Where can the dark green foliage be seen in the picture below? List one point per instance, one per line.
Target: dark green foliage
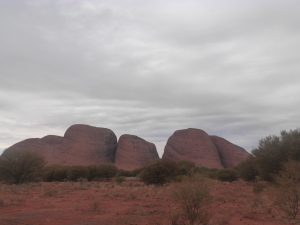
(211, 173)
(227, 175)
(19, 166)
(248, 169)
(288, 188)
(159, 171)
(92, 172)
(186, 167)
(201, 169)
(107, 171)
(136, 172)
(60, 174)
(76, 172)
(55, 173)
(129, 173)
(272, 151)
(120, 179)
(124, 173)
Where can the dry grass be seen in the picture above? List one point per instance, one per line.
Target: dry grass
(132, 203)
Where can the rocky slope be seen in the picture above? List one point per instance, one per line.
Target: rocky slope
(230, 154)
(134, 152)
(197, 146)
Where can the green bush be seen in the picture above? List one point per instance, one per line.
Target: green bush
(248, 169)
(76, 172)
(227, 175)
(159, 171)
(18, 166)
(272, 151)
(92, 172)
(186, 167)
(193, 196)
(107, 171)
(211, 173)
(288, 188)
(55, 173)
(201, 169)
(120, 179)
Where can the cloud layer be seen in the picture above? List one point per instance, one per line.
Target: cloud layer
(149, 68)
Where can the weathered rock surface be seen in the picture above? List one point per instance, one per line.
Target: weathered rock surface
(81, 145)
(210, 151)
(87, 145)
(230, 154)
(194, 145)
(134, 152)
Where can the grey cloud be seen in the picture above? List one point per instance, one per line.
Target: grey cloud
(149, 68)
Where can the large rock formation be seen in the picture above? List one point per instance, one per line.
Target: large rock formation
(197, 146)
(193, 145)
(230, 154)
(134, 152)
(87, 145)
(81, 145)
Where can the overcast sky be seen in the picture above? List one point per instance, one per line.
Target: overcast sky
(148, 68)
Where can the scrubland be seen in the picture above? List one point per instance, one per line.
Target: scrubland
(133, 202)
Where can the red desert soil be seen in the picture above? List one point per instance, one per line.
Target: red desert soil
(107, 203)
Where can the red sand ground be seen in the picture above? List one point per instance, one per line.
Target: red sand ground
(107, 203)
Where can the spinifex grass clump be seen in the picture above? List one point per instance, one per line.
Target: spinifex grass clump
(193, 196)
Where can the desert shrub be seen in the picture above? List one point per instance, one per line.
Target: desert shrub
(136, 172)
(248, 169)
(288, 188)
(107, 171)
(60, 173)
(186, 167)
(18, 166)
(193, 196)
(201, 169)
(120, 179)
(273, 150)
(76, 172)
(258, 188)
(159, 171)
(124, 173)
(211, 173)
(129, 173)
(227, 175)
(47, 174)
(92, 171)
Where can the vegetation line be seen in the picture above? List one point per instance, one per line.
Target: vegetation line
(16, 222)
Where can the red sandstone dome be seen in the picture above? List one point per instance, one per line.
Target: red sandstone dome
(230, 154)
(197, 146)
(81, 145)
(87, 145)
(193, 145)
(134, 152)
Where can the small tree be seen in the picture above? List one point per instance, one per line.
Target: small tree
(92, 172)
(248, 169)
(193, 196)
(107, 171)
(76, 172)
(288, 188)
(159, 171)
(186, 167)
(273, 150)
(18, 166)
(227, 174)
